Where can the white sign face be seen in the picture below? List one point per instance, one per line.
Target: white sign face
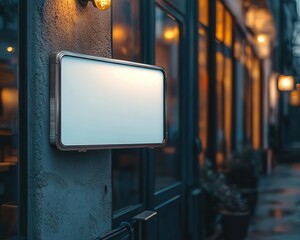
(102, 103)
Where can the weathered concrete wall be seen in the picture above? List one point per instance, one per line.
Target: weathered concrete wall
(69, 193)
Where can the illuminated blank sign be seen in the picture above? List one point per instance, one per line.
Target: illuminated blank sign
(100, 103)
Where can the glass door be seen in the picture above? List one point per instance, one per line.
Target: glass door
(203, 77)
(127, 165)
(167, 159)
(224, 85)
(9, 120)
(169, 183)
(152, 180)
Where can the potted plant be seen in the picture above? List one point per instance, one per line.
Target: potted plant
(243, 171)
(233, 208)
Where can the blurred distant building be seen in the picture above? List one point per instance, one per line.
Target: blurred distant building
(286, 60)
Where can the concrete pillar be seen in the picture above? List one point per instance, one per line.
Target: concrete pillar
(69, 193)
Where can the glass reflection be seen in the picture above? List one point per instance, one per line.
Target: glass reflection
(8, 119)
(295, 98)
(125, 31)
(219, 21)
(221, 142)
(166, 55)
(228, 30)
(248, 94)
(126, 178)
(203, 91)
(256, 106)
(203, 12)
(228, 105)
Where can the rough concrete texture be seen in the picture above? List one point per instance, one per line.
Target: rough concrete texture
(69, 192)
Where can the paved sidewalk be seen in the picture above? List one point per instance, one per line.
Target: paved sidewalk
(277, 215)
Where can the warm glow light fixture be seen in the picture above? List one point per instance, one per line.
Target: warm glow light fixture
(273, 90)
(10, 49)
(100, 4)
(263, 45)
(295, 98)
(171, 34)
(261, 38)
(285, 83)
(119, 33)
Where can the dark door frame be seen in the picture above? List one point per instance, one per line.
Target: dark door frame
(23, 28)
(185, 191)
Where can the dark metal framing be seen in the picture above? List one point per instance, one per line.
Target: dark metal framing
(174, 192)
(198, 148)
(148, 49)
(234, 99)
(197, 144)
(22, 161)
(193, 149)
(176, 187)
(189, 24)
(148, 29)
(177, 193)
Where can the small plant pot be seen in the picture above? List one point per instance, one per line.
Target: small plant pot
(251, 196)
(242, 179)
(235, 225)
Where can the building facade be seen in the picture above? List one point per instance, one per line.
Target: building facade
(217, 55)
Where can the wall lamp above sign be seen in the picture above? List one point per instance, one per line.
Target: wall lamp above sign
(285, 83)
(101, 103)
(100, 4)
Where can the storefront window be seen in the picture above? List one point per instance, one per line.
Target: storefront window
(221, 143)
(248, 94)
(224, 79)
(126, 178)
(167, 55)
(248, 60)
(228, 104)
(126, 29)
(203, 12)
(295, 98)
(9, 119)
(219, 21)
(203, 92)
(256, 104)
(239, 81)
(127, 190)
(228, 30)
